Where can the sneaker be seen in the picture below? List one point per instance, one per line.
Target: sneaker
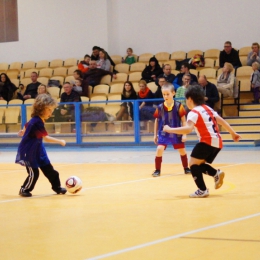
(187, 170)
(60, 190)
(156, 173)
(25, 193)
(219, 179)
(200, 194)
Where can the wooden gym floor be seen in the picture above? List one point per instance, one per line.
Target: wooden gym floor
(124, 213)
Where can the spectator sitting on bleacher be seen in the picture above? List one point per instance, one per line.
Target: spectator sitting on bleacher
(230, 55)
(129, 59)
(66, 112)
(185, 69)
(210, 91)
(180, 93)
(152, 71)
(84, 64)
(31, 90)
(254, 55)
(93, 77)
(103, 62)
(95, 55)
(78, 87)
(42, 89)
(126, 108)
(255, 82)
(7, 88)
(167, 74)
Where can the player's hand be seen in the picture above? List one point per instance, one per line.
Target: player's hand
(184, 138)
(155, 139)
(236, 137)
(62, 142)
(21, 133)
(166, 128)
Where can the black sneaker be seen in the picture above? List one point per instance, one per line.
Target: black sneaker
(187, 170)
(25, 193)
(60, 190)
(156, 173)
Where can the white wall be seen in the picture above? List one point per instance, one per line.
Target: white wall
(171, 25)
(50, 29)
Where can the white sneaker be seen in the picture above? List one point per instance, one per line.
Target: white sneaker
(200, 194)
(218, 178)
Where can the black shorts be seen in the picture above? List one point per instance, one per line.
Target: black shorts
(204, 151)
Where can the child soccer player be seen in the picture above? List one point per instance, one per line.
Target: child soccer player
(205, 120)
(31, 152)
(172, 113)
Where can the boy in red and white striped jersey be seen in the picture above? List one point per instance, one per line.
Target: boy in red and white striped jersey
(205, 121)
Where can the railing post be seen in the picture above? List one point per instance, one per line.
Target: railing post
(78, 123)
(23, 117)
(136, 122)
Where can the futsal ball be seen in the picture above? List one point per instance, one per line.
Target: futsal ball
(73, 184)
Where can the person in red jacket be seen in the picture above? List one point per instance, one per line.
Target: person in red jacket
(84, 64)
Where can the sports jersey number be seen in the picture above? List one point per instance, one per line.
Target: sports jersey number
(213, 125)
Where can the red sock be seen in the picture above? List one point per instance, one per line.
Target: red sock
(184, 160)
(158, 162)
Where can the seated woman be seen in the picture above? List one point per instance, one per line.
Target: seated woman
(42, 89)
(146, 109)
(7, 88)
(152, 71)
(84, 64)
(126, 110)
(226, 83)
(103, 62)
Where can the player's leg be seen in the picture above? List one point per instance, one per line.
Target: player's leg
(184, 159)
(30, 181)
(158, 160)
(53, 177)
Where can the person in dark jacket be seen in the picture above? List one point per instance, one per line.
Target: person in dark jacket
(210, 91)
(152, 71)
(230, 55)
(7, 88)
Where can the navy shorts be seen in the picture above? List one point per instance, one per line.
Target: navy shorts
(205, 152)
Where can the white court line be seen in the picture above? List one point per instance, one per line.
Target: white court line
(172, 237)
(108, 185)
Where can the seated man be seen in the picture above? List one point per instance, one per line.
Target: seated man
(254, 55)
(66, 112)
(31, 90)
(93, 77)
(169, 77)
(210, 90)
(185, 69)
(229, 55)
(158, 92)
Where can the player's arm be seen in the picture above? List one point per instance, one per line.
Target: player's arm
(155, 137)
(183, 123)
(53, 140)
(236, 137)
(21, 132)
(180, 130)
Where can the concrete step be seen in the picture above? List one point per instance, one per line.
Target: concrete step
(243, 120)
(249, 113)
(249, 106)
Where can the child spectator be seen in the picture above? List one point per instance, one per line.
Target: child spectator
(205, 121)
(171, 113)
(78, 86)
(42, 89)
(180, 93)
(103, 62)
(31, 152)
(84, 64)
(129, 59)
(255, 82)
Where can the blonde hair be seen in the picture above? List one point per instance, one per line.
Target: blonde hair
(256, 64)
(42, 101)
(229, 66)
(168, 86)
(42, 85)
(142, 82)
